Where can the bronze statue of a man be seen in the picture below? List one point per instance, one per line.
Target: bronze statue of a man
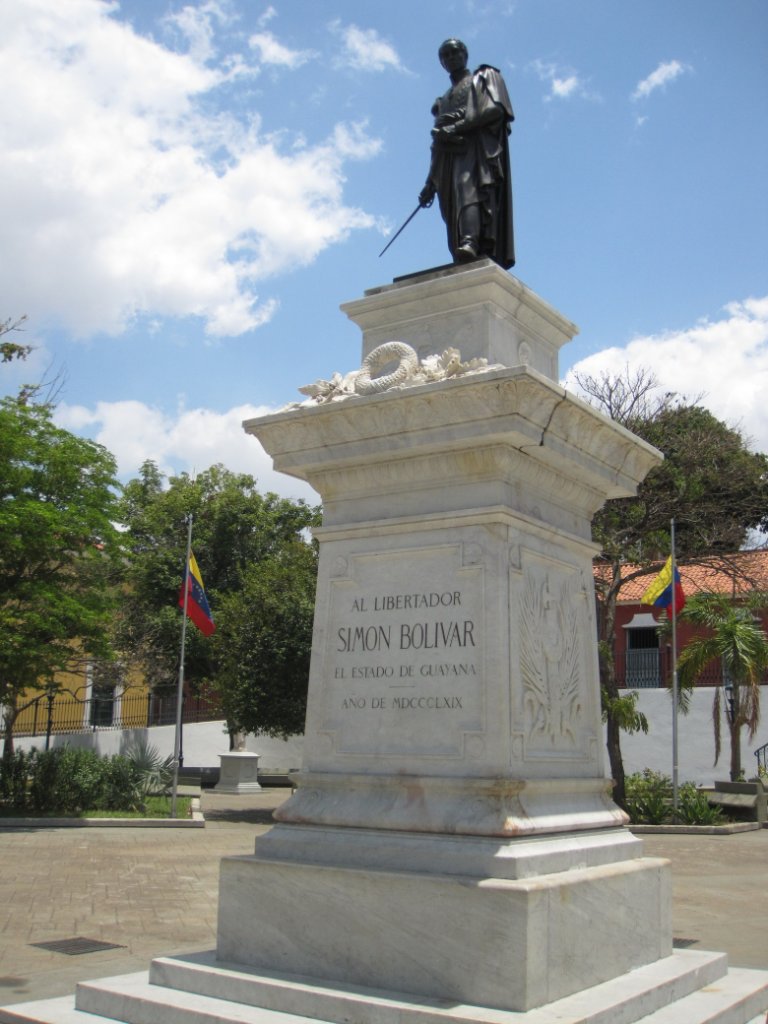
(470, 170)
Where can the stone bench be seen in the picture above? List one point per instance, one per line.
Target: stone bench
(207, 778)
(743, 799)
(277, 776)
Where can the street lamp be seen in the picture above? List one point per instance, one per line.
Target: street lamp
(728, 687)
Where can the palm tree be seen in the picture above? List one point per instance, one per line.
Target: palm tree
(734, 639)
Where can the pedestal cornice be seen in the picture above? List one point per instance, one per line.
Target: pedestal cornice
(504, 437)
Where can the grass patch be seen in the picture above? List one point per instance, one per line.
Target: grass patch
(156, 807)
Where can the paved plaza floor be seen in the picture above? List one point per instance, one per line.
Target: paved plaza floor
(152, 892)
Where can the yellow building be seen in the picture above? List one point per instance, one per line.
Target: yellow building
(103, 695)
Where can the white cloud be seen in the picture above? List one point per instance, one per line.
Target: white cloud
(666, 72)
(563, 83)
(365, 50)
(267, 16)
(271, 51)
(122, 195)
(191, 441)
(564, 87)
(196, 25)
(724, 360)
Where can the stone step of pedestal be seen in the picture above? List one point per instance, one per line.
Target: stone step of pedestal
(45, 1011)
(686, 988)
(131, 999)
(622, 1000)
(738, 995)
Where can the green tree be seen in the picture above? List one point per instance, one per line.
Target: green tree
(237, 530)
(265, 641)
(734, 639)
(59, 552)
(714, 487)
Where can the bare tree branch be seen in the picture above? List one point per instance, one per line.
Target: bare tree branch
(10, 350)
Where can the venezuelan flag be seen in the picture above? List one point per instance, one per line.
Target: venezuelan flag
(659, 593)
(198, 609)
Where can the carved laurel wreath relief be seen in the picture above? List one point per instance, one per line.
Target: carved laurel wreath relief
(551, 661)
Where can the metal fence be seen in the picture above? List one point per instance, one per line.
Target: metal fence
(67, 712)
(646, 668)
(643, 669)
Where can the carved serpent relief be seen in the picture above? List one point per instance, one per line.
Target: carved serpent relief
(409, 372)
(370, 380)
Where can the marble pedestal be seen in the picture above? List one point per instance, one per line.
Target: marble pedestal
(239, 772)
(458, 919)
(452, 833)
(451, 852)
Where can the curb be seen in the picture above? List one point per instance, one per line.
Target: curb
(196, 821)
(698, 830)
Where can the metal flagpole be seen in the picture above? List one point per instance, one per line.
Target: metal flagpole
(180, 694)
(675, 764)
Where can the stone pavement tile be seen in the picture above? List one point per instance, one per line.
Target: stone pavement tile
(155, 892)
(719, 892)
(152, 891)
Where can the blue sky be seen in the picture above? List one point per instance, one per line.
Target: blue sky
(188, 191)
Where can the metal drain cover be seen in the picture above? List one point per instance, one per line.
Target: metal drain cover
(76, 946)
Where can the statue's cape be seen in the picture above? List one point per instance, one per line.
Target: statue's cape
(497, 88)
(490, 88)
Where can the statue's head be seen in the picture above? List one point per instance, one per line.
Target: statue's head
(453, 50)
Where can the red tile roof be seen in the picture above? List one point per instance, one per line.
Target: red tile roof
(740, 573)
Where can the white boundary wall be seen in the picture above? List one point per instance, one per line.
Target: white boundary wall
(695, 738)
(204, 743)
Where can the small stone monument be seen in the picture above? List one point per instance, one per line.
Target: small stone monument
(239, 772)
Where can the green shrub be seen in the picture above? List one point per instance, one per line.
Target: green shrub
(69, 780)
(649, 797)
(122, 786)
(43, 780)
(13, 781)
(693, 808)
(649, 801)
(156, 772)
(66, 780)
